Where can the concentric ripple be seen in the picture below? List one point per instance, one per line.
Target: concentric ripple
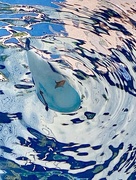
(93, 46)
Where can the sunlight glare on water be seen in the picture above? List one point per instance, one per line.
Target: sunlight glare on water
(82, 56)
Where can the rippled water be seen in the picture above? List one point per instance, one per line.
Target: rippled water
(92, 45)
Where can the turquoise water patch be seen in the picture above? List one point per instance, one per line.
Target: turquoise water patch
(53, 89)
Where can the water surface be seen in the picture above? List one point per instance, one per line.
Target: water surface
(91, 44)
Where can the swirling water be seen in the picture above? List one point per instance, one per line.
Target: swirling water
(94, 45)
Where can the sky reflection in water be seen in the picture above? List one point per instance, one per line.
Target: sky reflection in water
(93, 46)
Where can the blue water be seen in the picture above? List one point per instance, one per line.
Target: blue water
(92, 48)
(29, 2)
